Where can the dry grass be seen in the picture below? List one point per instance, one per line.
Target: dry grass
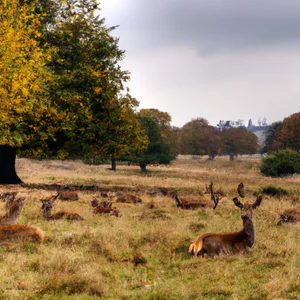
(143, 255)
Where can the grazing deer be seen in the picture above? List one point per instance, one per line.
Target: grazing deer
(128, 198)
(47, 205)
(13, 211)
(291, 215)
(229, 243)
(67, 196)
(216, 196)
(12, 233)
(105, 207)
(192, 202)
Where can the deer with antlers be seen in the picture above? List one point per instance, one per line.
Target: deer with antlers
(216, 196)
(229, 243)
(48, 204)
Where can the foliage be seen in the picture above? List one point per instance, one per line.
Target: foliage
(283, 162)
(157, 151)
(290, 132)
(272, 137)
(273, 191)
(193, 137)
(284, 135)
(27, 115)
(239, 141)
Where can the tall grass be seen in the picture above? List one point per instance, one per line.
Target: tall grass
(143, 255)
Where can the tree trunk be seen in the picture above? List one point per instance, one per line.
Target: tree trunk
(8, 173)
(231, 156)
(113, 164)
(143, 167)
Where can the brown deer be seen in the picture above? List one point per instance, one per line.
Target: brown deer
(291, 215)
(13, 211)
(229, 243)
(67, 196)
(128, 198)
(192, 202)
(105, 207)
(216, 196)
(47, 205)
(13, 233)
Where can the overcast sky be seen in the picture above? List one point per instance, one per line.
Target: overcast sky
(216, 59)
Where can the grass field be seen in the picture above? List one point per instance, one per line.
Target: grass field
(144, 254)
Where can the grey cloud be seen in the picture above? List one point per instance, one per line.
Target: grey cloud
(210, 25)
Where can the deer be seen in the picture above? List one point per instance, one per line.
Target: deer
(13, 211)
(229, 243)
(12, 233)
(216, 196)
(291, 215)
(192, 202)
(67, 196)
(47, 205)
(105, 207)
(128, 198)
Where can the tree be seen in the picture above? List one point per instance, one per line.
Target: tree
(272, 134)
(26, 115)
(193, 136)
(239, 141)
(157, 150)
(70, 88)
(289, 136)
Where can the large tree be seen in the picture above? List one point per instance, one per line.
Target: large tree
(70, 97)
(26, 114)
(239, 141)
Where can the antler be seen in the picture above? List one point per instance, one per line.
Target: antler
(241, 190)
(257, 202)
(238, 203)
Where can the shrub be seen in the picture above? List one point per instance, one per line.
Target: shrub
(273, 191)
(284, 162)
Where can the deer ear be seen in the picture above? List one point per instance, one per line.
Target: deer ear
(257, 202)
(238, 203)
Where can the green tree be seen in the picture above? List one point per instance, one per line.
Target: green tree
(157, 150)
(63, 86)
(272, 134)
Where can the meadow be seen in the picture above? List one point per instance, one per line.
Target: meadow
(144, 254)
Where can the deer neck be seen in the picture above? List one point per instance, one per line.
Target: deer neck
(47, 213)
(249, 231)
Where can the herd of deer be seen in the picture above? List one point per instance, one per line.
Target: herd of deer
(209, 244)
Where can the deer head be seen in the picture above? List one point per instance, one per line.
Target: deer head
(247, 208)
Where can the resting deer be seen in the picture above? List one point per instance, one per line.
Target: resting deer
(128, 198)
(13, 233)
(291, 215)
(47, 206)
(192, 202)
(229, 242)
(216, 196)
(105, 207)
(68, 196)
(13, 211)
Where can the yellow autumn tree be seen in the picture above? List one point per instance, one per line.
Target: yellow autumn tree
(25, 110)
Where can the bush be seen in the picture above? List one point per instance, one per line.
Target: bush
(284, 162)
(273, 191)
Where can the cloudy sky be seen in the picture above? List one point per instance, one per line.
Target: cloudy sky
(216, 59)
